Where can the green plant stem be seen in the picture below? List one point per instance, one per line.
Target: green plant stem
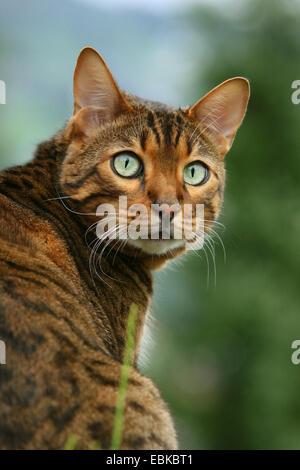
(71, 442)
(125, 370)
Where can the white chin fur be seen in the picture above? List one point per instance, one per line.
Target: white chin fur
(156, 247)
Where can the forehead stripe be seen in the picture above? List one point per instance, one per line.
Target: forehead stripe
(151, 124)
(167, 127)
(179, 129)
(143, 138)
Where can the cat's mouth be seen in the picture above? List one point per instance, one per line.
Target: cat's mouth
(160, 240)
(161, 234)
(156, 246)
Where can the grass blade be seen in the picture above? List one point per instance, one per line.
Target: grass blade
(121, 399)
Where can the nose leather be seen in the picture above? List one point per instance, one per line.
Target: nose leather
(165, 210)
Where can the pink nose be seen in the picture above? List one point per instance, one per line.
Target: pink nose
(166, 209)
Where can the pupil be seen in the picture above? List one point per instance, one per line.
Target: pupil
(193, 172)
(126, 163)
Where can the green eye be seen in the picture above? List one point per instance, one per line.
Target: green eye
(127, 165)
(195, 173)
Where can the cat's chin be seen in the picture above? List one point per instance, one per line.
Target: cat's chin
(156, 247)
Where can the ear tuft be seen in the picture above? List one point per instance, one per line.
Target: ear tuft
(221, 111)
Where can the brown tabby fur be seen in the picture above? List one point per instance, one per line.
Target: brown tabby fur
(65, 329)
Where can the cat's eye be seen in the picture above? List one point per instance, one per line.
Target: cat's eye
(195, 174)
(127, 164)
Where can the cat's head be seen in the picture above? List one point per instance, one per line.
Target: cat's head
(148, 154)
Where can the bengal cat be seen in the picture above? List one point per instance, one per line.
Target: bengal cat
(63, 316)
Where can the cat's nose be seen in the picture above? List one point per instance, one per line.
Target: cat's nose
(166, 209)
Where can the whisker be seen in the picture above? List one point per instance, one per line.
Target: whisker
(222, 244)
(214, 222)
(56, 198)
(112, 231)
(92, 259)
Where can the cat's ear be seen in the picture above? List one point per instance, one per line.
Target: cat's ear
(221, 111)
(96, 89)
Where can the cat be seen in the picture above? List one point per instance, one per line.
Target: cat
(64, 300)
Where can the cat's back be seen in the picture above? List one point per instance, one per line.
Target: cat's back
(59, 380)
(38, 298)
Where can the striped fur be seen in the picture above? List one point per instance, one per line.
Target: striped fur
(64, 328)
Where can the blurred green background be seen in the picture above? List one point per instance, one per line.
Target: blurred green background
(221, 354)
